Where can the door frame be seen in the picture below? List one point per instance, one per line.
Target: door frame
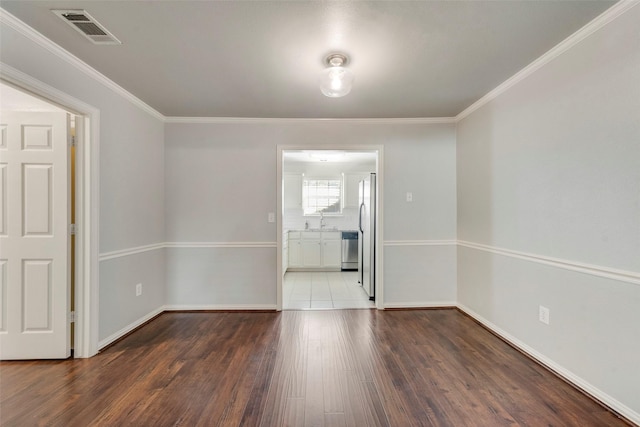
(87, 203)
(379, 269)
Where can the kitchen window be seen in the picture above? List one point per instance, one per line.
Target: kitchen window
(322, 196)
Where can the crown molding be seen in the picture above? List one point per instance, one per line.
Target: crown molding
(268, 120)
(33, 35)
(600, 21)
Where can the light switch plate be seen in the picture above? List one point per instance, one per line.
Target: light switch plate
(409, 197)
(271, 217)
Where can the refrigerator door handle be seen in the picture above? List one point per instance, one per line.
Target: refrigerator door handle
(360, 218)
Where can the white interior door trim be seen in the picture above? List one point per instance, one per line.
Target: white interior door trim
(379, 149)
(87, 203)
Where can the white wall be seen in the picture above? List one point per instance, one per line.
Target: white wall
(221, 183)
(551, 169)
(131, 181)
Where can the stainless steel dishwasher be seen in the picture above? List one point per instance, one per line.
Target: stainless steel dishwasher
(349, 250)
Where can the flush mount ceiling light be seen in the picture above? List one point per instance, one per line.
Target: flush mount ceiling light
(336, 80)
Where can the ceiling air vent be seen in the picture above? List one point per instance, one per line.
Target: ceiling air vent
(86, 25)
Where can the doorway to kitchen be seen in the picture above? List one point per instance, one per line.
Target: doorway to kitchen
(320, 228)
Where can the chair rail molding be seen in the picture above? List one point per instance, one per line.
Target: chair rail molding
(592, 269)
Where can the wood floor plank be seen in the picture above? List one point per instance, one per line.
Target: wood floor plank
(318, 368)
(334, 420)
(294, 412)
(332, 392)
(256, 404)
(314, 392)
(374, 409)
(354, 412)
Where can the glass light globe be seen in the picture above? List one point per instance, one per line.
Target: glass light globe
(336, 81)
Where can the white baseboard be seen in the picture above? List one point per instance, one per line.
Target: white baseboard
(219, 307)
(130, 327)
(572, 378)
(414, 304)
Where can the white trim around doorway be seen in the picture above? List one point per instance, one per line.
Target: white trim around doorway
(87, 199)
(379, 150)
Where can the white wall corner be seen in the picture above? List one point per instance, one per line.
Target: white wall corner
(600, 21)
(38, 38)
(561, 371)
(130, 327)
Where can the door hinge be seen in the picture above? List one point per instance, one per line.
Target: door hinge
(72, 229)
(72, 317)
(72, 142)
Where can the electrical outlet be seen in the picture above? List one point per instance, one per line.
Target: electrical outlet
(409, 197)
(543, 315)
(139, 289)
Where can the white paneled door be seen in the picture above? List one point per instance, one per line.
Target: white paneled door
(34, 235)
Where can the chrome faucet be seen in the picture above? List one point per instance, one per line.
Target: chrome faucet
(322, 224)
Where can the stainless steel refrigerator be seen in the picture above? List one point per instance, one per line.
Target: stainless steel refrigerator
(367, 237)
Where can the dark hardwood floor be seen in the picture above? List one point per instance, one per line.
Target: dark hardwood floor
(298, 368)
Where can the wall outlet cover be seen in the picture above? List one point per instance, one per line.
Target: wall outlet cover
(139, 289)
(543, 315)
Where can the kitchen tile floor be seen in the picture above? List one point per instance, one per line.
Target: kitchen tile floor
(323, 290)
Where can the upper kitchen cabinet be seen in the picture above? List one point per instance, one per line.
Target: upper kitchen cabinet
(351, 181)
(292, 191)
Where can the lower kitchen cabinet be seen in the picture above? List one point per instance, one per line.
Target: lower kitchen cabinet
(331, 251)
(309, 250)
(295, 250)
(311, 253)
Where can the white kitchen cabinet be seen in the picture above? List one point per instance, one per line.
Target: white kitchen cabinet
(295, 249)
(314, 250)
(293, 191)
(311, 253)
(331, 250)
(351, 181)
(311, 249)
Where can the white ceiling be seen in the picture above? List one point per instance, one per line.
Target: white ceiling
(262, 58)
